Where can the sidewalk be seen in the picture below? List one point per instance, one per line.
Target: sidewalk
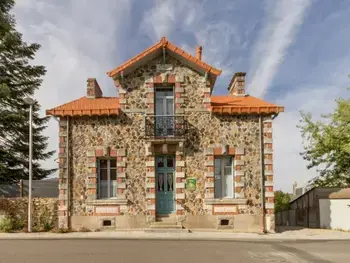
(304, 234)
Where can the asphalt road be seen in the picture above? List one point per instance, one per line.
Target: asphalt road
(86, 251)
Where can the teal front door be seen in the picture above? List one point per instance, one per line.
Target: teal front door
(165, 184)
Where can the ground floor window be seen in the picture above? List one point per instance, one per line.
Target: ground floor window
(223, 172)
(107, 178)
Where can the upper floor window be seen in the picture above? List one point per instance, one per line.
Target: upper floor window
(107, 178)
(164, 109)
(223, 172)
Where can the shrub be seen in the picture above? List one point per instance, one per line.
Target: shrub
(6, 224)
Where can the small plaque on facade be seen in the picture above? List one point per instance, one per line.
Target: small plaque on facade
(106, 210)
(191, 184)
(164, 67)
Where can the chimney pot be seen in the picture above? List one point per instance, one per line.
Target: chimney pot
(199, 52)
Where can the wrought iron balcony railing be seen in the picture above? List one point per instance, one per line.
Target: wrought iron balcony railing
(163, 126)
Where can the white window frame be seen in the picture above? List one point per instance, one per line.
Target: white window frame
(164, 100)
(222, 174)
(109, 181)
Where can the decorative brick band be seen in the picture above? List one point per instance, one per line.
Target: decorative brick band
(151, 187)
(92, 155)
(180, 183)
(63, 212)
(161, 78)
(206, 94)
(239, 163)
(268, 166)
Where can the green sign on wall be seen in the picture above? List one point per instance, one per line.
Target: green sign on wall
(191, 184)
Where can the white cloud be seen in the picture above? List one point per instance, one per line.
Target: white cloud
(274, 40)
(79, 40)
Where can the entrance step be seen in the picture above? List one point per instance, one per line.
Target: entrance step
(166, 218)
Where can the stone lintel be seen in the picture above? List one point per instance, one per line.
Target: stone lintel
(209, 184)
(209, 163)
(268, 183)
(239, 184)
(239, 172)
(121, 175)
(180, 185)
(121, 164)
(209, 151)
(269, 194)
(240, 150)
(180, 90)
(121, 152)
(180, 196)
(209, 174)
(206, 100)
(269, 205)
(150, 174)
(121, 186)
(180, 164)
(150, 164)
(179, 78)
(178, 174)
(239, 162)
(268, 172)
(268, 161)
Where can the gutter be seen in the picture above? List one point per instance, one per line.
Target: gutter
(262, 190)
(68, 173)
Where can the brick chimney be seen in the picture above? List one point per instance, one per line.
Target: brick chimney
(199, 52)
(237, 84)
(93, 90)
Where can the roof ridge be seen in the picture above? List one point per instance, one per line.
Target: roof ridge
(164, 42)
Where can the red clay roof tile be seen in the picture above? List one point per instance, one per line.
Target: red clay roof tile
(242, 105)
(86, 106)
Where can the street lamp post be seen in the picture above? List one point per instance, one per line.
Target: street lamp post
(30, 102)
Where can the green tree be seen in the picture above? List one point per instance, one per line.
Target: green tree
(18, 79)
(327, 145)
(282, 200)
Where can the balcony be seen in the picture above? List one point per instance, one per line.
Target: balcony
(165, 127)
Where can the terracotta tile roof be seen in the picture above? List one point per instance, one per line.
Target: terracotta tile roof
(168, 45)
(244, 104)
(86, 106)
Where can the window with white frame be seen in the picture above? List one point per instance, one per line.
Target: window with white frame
(223, 172)
(107, 178)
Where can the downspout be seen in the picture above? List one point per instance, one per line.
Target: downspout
(262, 193)
(68, 173)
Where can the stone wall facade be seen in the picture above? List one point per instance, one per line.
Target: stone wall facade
(123, 137)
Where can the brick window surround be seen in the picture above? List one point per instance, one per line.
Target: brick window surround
(238, 154)
(104, 152)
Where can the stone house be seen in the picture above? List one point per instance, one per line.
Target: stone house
(165, 149)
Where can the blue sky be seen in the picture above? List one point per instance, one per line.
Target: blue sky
(295, 52)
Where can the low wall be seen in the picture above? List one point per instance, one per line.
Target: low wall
(43, 209)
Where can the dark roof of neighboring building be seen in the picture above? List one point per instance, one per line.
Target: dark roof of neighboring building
(332, 190)
(40, 188)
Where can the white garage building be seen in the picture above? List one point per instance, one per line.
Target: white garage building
(335, 210)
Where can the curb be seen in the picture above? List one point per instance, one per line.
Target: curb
(171, 237)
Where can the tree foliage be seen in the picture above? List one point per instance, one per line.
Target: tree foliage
(18, 79)
(282, 200)
(327, 145)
